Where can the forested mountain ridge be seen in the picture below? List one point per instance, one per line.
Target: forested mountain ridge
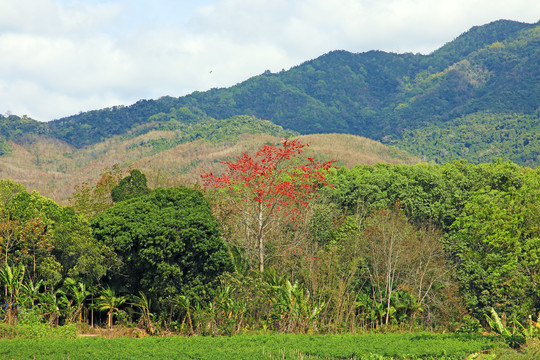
(477, 38)
(409, 100)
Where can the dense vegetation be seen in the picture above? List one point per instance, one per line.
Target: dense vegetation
(16, 128)
(451, 247)
(489, 216)
(479, 137)
(488, 74)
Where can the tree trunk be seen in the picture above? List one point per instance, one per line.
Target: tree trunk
(8, 312)
(109, 320)
(92, 314)
(260, 238)
(77, 315)
(261, 253)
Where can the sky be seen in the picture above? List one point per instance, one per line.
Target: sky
(61, 57)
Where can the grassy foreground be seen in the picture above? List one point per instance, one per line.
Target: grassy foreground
(275, 346)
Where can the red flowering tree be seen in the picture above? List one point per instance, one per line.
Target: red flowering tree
(276, 180)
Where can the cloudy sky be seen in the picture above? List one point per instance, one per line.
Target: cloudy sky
(59, 57)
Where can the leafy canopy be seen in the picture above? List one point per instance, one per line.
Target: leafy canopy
(168, 241)
(133, 185)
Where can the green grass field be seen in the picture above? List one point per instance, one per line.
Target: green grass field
(276, 346)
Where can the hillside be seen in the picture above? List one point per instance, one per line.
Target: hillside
(416, 102)
(170, 155)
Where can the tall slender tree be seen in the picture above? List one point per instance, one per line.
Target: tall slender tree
(109, 301)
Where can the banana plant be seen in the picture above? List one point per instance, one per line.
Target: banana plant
(496, 324)
(12, 278)
(143, 303)
(514, 336)
(204, 316)
(78, 294)
(30, 292)
(294, 308)
(534, 328)
(231, 310)
(52, 304)
(185, 305)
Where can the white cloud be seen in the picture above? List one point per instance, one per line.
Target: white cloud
(307, 26)
(49, 17)
(62, 56)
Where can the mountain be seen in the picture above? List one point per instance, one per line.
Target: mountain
(487, 79)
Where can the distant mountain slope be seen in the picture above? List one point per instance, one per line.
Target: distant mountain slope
(491, 70)
(54, 168)
(479, 137)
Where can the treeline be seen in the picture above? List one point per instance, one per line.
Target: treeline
(379, 247)
(17, 128)
(211, 130)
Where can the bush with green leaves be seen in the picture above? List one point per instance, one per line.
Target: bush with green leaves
(37, 331)
(496, 242)
(469, 325)
(169, 244)
(133, 185)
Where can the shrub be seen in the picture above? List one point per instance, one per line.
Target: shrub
(469, 325)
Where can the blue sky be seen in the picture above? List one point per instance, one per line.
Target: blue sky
(60, 57)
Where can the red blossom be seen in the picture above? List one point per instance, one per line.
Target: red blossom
(273, 180)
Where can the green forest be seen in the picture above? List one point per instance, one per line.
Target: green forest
(280, 243)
